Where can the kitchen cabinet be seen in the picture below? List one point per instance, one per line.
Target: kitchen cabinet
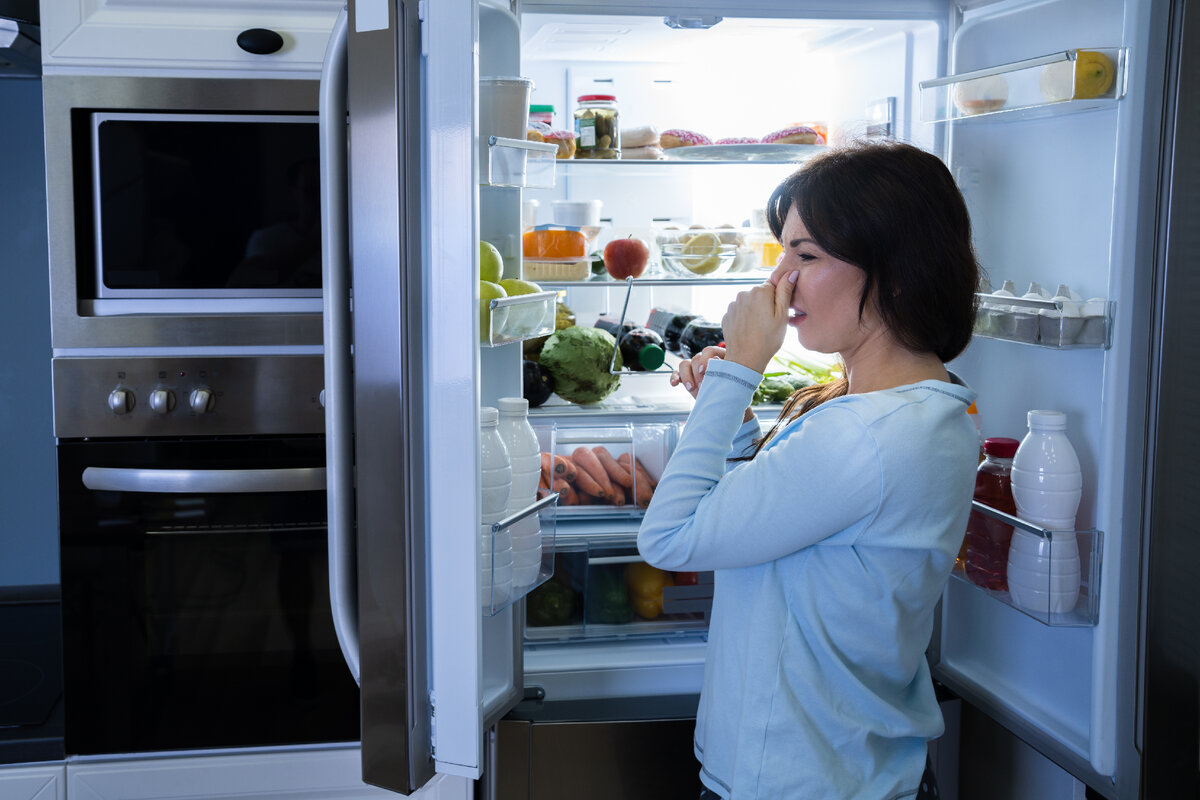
(34, 782)
(300, 774)
(183, 35)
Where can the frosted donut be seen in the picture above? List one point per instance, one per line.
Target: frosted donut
(798, 134)
(739, 140)
(677, 137)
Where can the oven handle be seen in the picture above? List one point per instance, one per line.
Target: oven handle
(204, 481)
(339, 387)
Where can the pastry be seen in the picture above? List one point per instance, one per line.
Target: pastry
(797, 134)
(565, 141)
(677, 137)
(981, 95)
(650, 152)
(642, 136)
(739, 140)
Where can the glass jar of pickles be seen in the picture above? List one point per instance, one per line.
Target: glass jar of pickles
(597, 128)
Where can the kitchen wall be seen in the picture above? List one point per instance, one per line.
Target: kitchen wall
(28, 505)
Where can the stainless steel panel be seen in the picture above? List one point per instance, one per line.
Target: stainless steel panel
(388, 330)
(1170, 623)
(67, 98)
(250, 395)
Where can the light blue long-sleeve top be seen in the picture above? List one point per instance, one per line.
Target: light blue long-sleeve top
(830, 550)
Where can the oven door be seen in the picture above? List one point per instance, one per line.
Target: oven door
(195, 597)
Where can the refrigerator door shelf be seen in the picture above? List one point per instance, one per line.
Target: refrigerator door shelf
(1038, 550)
(519, 317)
(501, 569)
(1046, 323)
(517, 163)
(1071, 80)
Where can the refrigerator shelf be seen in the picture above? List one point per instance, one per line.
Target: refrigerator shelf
(1049, 566)
(521, 164)
(537, 520)
(605, 282)
(521, 317)
(1044, 323)
(1058, 83)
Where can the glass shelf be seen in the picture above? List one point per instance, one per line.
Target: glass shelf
(500, 583)
(1058, 83)
(605, 282)
(520, 317)
(1061, 571)
(518, 163)
(1042, 323)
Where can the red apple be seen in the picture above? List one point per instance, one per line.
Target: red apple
(624, 258)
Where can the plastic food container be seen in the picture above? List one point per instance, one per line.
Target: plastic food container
(556, 269)
(542, 113)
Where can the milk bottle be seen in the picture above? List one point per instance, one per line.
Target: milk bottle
(496, 556)
(524, 454)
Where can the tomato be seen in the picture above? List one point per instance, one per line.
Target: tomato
(687, 578)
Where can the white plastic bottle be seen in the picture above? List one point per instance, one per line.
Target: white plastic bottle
(1046, 484)
(495, 564)
(525, 455)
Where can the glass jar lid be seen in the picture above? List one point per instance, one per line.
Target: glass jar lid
(588, 98)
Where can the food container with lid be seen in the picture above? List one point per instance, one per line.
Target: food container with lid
(503, 112)
(542, 113)
(597, 127)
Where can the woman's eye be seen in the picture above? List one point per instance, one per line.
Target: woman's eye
(805, 256)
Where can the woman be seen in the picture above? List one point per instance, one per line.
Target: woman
(832, 537)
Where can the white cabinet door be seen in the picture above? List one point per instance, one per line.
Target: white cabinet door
(39, 782)
(184, 34)
(330, 774)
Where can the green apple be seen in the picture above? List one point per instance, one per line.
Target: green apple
(491, 265)
(524, 319)
(490, 323)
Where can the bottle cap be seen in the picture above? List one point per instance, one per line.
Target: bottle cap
(488, 415)
(513, 405)
(1000, 446)
(587, 98)
(651, 357)
(541, 109)
(1047, 420)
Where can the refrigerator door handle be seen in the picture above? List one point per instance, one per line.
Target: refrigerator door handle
(335, 280)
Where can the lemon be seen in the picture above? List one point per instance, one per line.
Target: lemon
(701, 253)
(1091, 75)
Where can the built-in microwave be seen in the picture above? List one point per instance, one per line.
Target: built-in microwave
(183, 211)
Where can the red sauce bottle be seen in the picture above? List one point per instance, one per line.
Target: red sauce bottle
(987, 539)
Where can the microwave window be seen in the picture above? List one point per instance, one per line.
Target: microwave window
(208, 205)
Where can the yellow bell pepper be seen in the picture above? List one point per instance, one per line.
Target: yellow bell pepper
(645, 584)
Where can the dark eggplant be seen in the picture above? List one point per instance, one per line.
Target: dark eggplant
(538, 385)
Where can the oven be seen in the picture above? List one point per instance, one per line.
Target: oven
(184, 211)
(195, 599)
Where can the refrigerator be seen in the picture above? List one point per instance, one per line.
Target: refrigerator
(1083, 192)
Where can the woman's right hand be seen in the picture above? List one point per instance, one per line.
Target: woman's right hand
(690, 372)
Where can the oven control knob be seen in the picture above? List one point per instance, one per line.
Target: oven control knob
(162, 401)
(120, 401)
(201, 400)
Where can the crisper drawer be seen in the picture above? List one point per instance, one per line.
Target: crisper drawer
(604, 470)
(603, 590)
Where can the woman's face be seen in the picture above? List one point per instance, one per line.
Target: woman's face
(824, 309)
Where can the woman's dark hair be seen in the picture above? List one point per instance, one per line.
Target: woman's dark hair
(894, 211)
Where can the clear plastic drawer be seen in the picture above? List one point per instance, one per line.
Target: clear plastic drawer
(605, 471)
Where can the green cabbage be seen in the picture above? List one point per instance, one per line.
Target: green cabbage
(578, 359)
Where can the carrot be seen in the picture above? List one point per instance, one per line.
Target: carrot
(586, 499)
(616, 472)
(569, 497)
(547, 467)
(542, 491)
(617, 498)
(584, 482)
(643, 482)
(586, 461)
(559, 485)
(564, 468)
